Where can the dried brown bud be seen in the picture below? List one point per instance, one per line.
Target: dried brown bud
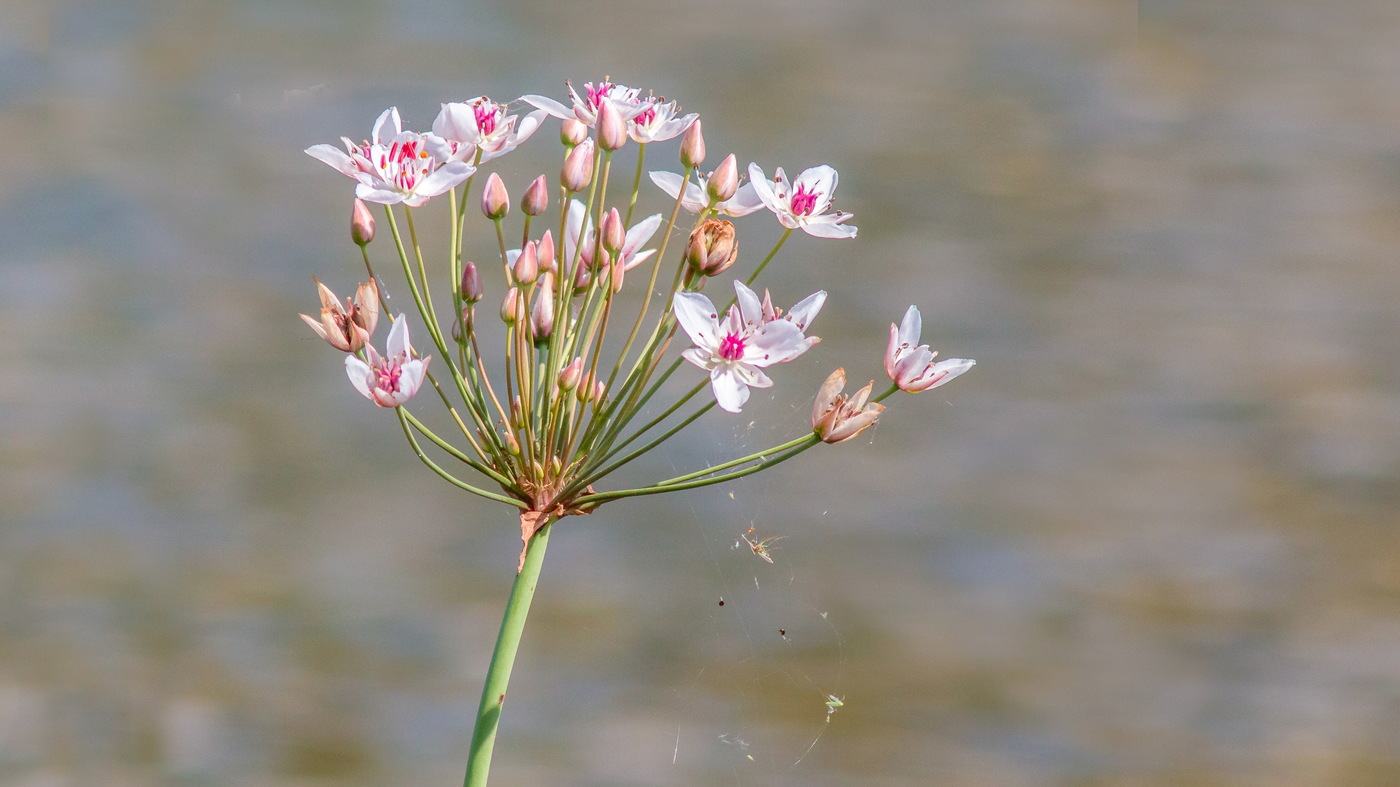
(712, 247)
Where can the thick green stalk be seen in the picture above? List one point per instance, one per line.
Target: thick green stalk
(493, 694)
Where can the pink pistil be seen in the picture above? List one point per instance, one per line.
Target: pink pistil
(804, 201)
(597, 94)
(731, 348)
(485, 119)
(388, 376)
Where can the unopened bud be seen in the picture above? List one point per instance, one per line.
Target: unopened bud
(462, 327)
(361, 224)
(712, 247)
(471, 283)
(693, 146)
(542, 315)
(578, 167)
(510, 305)
(612, 129)
(517, 412)
(614, 234)
(599, 388)
(527, 267)
(724, 181)
(495, 202)
(617, 274)
(536, 199)
(572, 132)
(584, 392)
(512, 445)
(569, 377)
(545, 252)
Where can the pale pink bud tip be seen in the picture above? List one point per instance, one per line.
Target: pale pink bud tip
(573, 132)
(724, 182)
(614, 234)
(527, 266)
(693, 146)
(495, 202)
(612, 129)
(578, 167)
(361, 224)
(510, 306)
(536, 199)
(570, 376)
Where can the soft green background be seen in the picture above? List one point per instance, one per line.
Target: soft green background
(1150, 540)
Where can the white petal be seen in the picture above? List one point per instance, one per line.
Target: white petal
(446, 177)
(750, 308)
(730, 391)
(776, 342)
(360, 375)
(700, 358)
(910, 327)
(696, 314)
(380, 193)
(549, 105)
(398, 339)
(411, 376)
(820, 227)
(744, 202)
(763, 189)
(752, 376)
(806, 309)
(387, 126)
(335, 157)
(641, 232)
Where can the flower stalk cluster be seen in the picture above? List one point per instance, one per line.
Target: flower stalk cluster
(542, 421)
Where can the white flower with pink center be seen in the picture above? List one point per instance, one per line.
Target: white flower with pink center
(657, 122)
(391, 379)
(803, 202)
(585, 107)
(697, 195)
(735, 349)
(484, 125)
(911, 367)
(398, 166)
(580, 225)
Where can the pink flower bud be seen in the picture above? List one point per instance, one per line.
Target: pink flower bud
(599, 388)
(693, 146)
(712, 247)
(572, 132)
(724, 181)
(527, 267)
(585, 387)
(510, 305)
(612, 129)
(614, 234)
(618, 272)
(578, 167)
(542, 315)
(512, 445)
(571, 374)
(361, 224)
(495, 202)
(516, 410)
(545, 252)
(471, 283)
(536, 199)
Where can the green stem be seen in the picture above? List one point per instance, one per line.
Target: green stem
(493, 694)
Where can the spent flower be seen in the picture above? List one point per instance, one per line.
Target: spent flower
(347, 327)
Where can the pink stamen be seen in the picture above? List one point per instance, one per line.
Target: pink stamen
(731, 348)
(804, 201)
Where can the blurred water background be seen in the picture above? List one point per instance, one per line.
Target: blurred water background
(1150, 540)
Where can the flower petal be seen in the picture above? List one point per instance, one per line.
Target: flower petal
(806, 309)
(360, 375)
(828, 226)
(696, 314)
(730, 391)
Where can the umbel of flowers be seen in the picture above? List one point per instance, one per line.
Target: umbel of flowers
(541, 422)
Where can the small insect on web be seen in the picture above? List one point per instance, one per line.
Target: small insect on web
(758, 547)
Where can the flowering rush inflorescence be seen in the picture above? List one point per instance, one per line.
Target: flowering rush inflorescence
(546, 419)
(549, 419)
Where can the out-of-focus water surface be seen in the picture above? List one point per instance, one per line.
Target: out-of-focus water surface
(1151, 539)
